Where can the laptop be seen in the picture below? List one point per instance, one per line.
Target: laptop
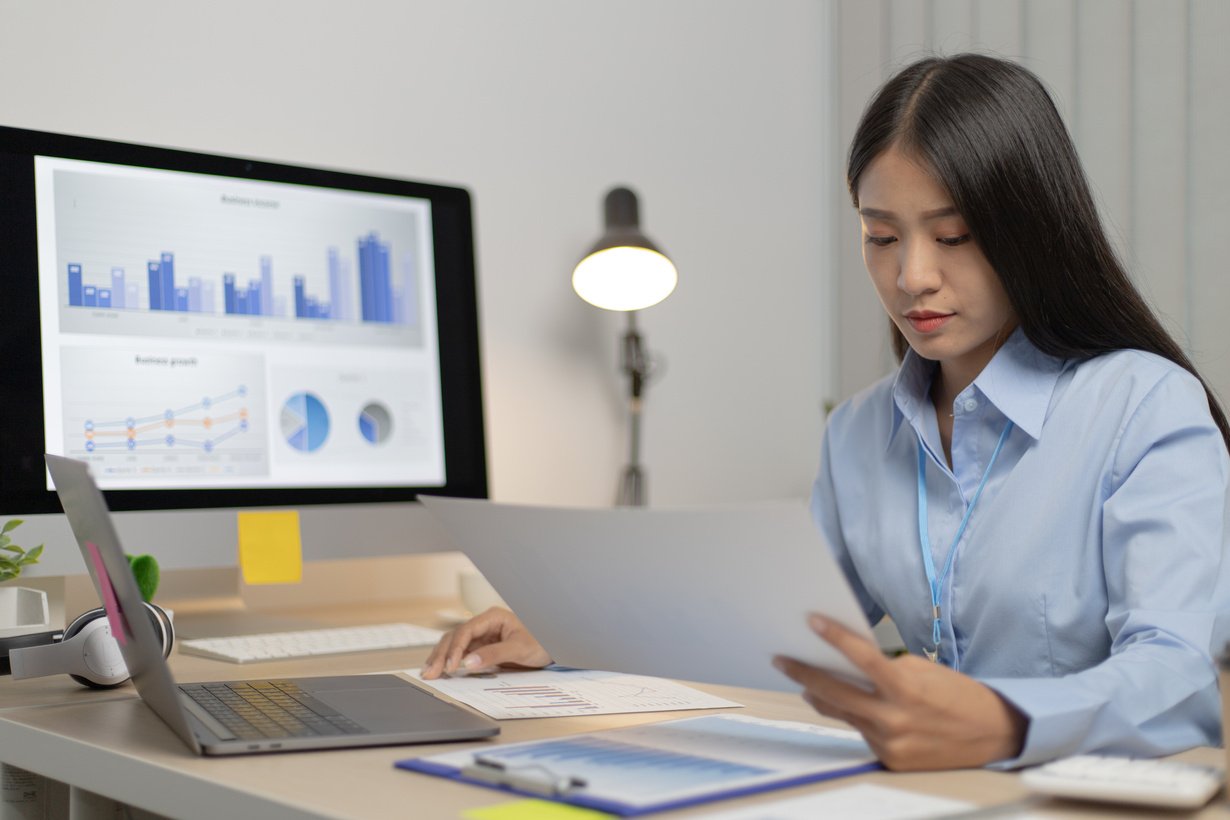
(706, 595)
(325, 712)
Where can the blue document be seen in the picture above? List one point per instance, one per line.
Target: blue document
(659, 766)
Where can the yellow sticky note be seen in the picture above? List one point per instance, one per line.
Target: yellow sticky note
(270, 551)
(533, 810)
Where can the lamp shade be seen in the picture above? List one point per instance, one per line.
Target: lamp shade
(624, 270)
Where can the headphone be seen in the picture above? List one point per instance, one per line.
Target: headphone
(85, 650)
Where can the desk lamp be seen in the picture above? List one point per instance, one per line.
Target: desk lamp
(626, 272)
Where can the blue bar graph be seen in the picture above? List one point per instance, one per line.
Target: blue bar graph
(194, 294)
(382, 297)
(155, 285)
(74, 286)
(266, 286)
(228, 292)
(167, 289)
(118, 292)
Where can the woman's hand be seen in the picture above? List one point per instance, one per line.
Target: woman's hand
(919, 715)
(494, 638)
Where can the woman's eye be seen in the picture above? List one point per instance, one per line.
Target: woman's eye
(880, 241)
(953, 241)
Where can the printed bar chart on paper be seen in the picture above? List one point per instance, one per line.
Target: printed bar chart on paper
(560, 692)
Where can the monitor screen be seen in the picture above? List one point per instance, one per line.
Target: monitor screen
(215, 331)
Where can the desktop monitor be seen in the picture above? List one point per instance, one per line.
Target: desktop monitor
(213, 331)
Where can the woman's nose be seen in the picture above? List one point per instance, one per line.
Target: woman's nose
(920, 268)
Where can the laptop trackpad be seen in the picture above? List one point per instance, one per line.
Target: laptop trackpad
(385, 709)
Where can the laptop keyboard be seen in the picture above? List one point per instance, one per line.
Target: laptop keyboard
(272, 708)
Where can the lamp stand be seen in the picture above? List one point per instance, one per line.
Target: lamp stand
(633, 362)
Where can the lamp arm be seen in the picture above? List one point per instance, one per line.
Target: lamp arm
(634, 362)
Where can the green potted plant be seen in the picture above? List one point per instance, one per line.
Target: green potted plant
(22, 609)
(13, 559)
(145, 571)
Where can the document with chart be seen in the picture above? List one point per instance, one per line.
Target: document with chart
(661, 766)
(563, 691)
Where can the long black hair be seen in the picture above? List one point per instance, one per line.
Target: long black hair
(990, 133)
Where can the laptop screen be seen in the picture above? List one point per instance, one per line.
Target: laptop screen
(129, 618)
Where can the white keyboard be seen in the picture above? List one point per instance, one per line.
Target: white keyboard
(310, 643)
(1164, 783)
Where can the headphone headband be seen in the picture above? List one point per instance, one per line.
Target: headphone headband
(85, 650)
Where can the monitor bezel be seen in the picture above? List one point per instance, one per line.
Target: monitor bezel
(23, 476)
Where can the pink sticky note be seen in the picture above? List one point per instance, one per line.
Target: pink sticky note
(114, 616)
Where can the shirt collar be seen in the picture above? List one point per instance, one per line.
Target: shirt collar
(1019, 380)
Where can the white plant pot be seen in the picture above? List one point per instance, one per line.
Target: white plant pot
(23, 610)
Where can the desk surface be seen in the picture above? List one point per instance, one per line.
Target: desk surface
(110, 743)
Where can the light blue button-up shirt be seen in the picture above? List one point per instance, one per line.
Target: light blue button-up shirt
(1089, 582)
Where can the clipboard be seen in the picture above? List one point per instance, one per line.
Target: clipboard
(669, 765)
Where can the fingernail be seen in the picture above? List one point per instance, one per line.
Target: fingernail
(818, 622)
(471, 662)
(779, 663)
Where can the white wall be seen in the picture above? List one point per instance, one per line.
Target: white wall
(1142, 85)
(714, 110)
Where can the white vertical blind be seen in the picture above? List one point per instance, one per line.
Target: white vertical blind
(1159, 161)
(1207, 180)
(863, 45)
(1143, 86)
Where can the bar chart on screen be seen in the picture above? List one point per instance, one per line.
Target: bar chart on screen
(157, 253)
(562, 691)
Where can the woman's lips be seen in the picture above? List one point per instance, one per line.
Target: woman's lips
(927, 321)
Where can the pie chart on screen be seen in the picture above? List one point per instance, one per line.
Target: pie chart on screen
(376, 423)
(305, 422)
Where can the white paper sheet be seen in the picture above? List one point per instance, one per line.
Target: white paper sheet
(866, 801)
(509, 695)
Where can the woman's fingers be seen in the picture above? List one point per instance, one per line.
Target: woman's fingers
(492, 638)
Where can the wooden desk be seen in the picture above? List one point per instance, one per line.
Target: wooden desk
(108, 743)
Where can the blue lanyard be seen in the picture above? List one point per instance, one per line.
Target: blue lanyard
(937, 584)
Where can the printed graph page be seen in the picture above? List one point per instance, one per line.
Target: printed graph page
(562, 692)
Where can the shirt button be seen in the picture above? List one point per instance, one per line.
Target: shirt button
(970, 405)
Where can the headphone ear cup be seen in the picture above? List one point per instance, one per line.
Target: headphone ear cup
(79, 623)
(163, 628)
(98, 649)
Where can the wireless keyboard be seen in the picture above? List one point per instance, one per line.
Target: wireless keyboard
(1161, 783)
(310, 643)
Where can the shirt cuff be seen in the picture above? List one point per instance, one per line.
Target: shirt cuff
(1059, 718)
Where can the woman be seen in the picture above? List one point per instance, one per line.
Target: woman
(1036, 498)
